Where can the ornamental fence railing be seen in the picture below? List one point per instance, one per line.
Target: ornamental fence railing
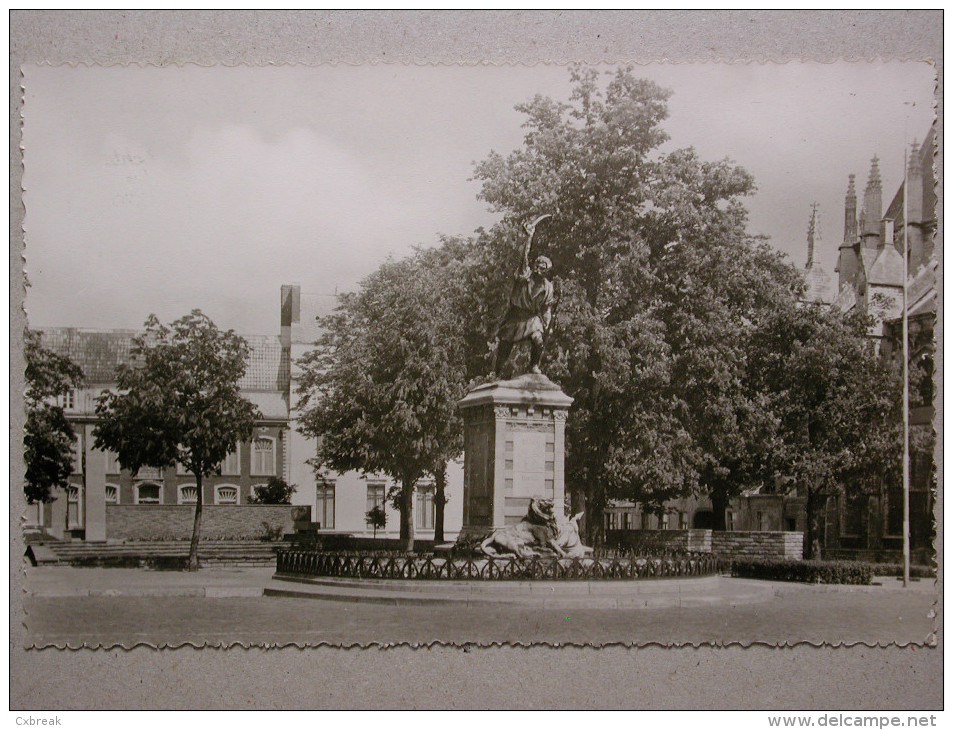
(432, 567)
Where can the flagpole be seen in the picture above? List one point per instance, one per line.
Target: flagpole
(906, 388)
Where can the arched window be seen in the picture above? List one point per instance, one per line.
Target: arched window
(188, 494)
(263, 456)
(74, 513)
(112, 494)
(148, 493)
(226, 494)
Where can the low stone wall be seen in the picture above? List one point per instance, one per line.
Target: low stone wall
(219, 522)
(698, 541)
(343, 542)
(758, 545)
(737, 544)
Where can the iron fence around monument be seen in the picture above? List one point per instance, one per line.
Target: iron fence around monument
(313, 563)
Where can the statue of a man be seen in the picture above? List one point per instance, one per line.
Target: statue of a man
(529, 308)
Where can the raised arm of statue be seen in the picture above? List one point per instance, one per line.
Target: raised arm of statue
(530, 228)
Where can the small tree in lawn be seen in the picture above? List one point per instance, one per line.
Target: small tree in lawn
(178, 401)
(276, 491)
(377, 518)
(48, 437)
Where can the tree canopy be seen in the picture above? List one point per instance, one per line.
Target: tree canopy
(178, 402)
(48, 437)
(379, 392)
(838, 410)
(671, 322)
(660, 286)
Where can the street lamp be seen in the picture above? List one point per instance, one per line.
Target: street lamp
(906, 388)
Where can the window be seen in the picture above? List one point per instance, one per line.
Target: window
(73, 513)
(665, 521)
(112, 463)
(729, 520)
(764, 521)
(188, 494)
(683, 520)
(263, 456)
(231, 464)
(68, 401)
(325, 504)
(625, 520)
(375, 497)
(226, 494)
(112, 494)
(425, 507)
(148, 494)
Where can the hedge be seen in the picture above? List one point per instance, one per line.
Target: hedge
(895, 570)
(805, 571)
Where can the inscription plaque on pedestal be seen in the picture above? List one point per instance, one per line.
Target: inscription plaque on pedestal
(514, 449)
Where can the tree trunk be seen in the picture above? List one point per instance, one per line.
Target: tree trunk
(439, 501)
(196, 526)
(595, 515)
(812, 535)
(407, 516)
(719, 504)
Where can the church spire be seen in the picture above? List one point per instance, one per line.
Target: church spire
(811, 232)
(850, 212)
(873, 206)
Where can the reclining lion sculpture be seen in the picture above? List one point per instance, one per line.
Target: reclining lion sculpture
(540, 532)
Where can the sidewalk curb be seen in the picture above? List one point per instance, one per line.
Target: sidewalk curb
(143, 592)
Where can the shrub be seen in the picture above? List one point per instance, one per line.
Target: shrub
(895, 570)
(805, 571)
(276, 491)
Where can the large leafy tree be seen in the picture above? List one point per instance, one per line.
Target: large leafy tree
(178, 402)
(659, 287)
(379, 392)
(48, 437)
(837, 407)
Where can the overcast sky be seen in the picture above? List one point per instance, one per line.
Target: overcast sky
(160, 190)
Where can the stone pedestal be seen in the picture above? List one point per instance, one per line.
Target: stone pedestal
(514, 449)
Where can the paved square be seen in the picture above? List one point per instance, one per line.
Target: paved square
(795, 613)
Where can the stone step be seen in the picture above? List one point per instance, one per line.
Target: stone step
(236, 553)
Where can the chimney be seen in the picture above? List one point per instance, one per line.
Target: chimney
(290, 311)
(886, 232)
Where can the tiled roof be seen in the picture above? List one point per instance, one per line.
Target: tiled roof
(99, 352)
